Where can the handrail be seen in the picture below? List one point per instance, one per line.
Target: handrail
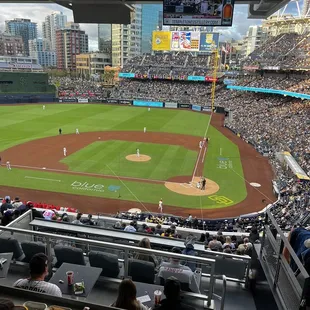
(109, 244)
(18, 219)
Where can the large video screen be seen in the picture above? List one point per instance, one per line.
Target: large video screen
(198, 12)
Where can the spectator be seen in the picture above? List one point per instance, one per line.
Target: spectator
(253, 235)
(117, 225)
(7, 217)
(172, 292)
(6, 304)
(35, 212)
(127, 297)
(6, 205)
(38, 266)
(17, 203)
(214, 244)
(77, 221)
(145, 243)
(130, 227)
(158, 230)
(228, 244)
(202, 237)
(189, 250)
(89, 220)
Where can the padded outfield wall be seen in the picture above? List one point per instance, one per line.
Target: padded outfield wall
(25, 87)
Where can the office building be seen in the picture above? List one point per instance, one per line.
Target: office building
(150, 21)
(56, 20)
(11, 45)
(24, 28)
(126, 39)
(41, 49)
(105, 38)
(92, 63)
(254, 38)
(70, 41)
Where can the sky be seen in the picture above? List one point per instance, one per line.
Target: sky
(38, 12)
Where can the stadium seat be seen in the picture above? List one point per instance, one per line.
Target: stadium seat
(108, 262)
(141, 271)
(32, 248)
(231, 268)
(9, 245)
(66, 254)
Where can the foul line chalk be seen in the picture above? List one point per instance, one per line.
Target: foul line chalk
(35, 178)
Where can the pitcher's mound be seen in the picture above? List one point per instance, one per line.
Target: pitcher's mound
(191, 189)
(134, 157)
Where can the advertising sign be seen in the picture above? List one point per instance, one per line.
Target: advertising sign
(126, 75)
(210, 79)
(198, 13)
(161, 40)
(207, 109)
(229, 82)
(209, 42)
(69, 100)
(195, 78)
(184, 105)
(185, 41)
(171, 105)
(156, 104)
(124, 101)
(196, 107)
(111, 100)
(82, 100)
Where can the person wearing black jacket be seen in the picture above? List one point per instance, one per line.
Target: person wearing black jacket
(173, 301)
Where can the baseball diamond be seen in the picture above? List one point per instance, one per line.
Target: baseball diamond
(173, 157)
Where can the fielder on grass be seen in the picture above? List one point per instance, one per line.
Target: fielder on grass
(8, 165)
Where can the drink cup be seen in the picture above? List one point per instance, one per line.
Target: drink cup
(70, 275)
(157, 297)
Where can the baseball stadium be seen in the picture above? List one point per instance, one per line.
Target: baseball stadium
(178, 180)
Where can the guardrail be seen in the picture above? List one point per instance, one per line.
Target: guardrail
(288, 289)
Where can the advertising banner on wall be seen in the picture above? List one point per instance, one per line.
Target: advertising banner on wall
(161, 40)
(111, 100)
(184, 106)
(207, 109)
(126, 75)
(124, 101)
(82, 100)
(140, 103)
(229, 81)
(196, 107)
(195, 78)
(171, 105)
(185, 41)
(209, 42)
(68, 100)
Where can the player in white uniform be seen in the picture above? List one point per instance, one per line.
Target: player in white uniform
(65, 151)
(43, 107)
(138, 153)
(149, 109)
(77, 131)
(144, 129)
(160, 205)
(8, 165)
(200, 144)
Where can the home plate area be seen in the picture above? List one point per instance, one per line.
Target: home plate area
(191, 189)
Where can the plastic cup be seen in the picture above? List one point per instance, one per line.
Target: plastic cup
(70, 275)
(157, 296)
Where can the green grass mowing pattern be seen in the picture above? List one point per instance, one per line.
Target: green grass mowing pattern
(109, 157)
(29, 122)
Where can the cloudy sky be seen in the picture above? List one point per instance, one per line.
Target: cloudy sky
(38, 12)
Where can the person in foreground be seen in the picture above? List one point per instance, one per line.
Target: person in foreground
(127, 297)
(173, 300)
(38, 266)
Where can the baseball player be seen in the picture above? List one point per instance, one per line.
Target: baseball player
(200, 144)
(160, 205)
(144, 129)
(8, 165)
(138, 153)
(60, 131)
(149, 109)
(65, 151)
(77, 131)
(43, 107)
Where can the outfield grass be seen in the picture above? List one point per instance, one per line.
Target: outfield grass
(29, 122)
(109, 157)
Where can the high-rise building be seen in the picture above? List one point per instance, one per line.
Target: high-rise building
(105, 38)
(70, 41)
(56, 20)
(41, 49)
(126, 39)
(150, 22)
(24, 28)
(254, 38)
(92, 63)
(11, 45)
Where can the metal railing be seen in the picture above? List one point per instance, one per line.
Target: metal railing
(286, 286)
(52, 239)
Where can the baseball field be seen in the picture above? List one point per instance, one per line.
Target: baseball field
(102, 173)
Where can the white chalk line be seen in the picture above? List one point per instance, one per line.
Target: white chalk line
(92, 174)
(43, 179)
(220, 151)
(204, 155)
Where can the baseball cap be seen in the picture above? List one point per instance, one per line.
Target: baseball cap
(38, 264)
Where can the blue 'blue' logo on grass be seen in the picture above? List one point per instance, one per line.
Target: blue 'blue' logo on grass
(222, 158)
(113, 188)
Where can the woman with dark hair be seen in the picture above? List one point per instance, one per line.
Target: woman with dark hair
(145, 243)
(127, 298)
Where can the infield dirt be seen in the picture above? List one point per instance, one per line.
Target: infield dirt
(48, 152)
